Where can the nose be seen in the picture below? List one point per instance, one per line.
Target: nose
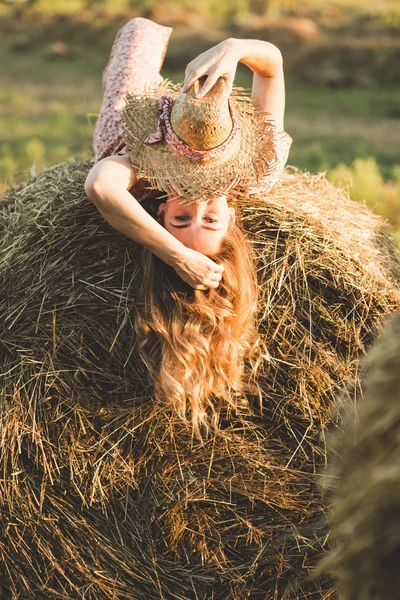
(198, 208)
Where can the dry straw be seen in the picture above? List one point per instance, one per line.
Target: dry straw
(103, 492)
(364, 477)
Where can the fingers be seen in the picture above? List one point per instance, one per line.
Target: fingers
(207, 85)
(212, 284)
(215, 277)
(194, 71)
(189, 81)
(207, 285)
(229, 79)
(212, 281)
(217, 268)
(193, 75)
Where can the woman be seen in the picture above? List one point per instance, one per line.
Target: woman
(192, 233)
(198, 148)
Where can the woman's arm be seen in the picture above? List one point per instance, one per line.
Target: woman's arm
(263, 58)
(107, 185)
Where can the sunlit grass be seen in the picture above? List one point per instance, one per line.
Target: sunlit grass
(365, 183)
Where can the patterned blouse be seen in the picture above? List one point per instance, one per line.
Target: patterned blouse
(134, 65)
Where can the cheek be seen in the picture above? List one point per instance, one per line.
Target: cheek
(168, 227)
(224, 212)
(226, 221)
(183, 235)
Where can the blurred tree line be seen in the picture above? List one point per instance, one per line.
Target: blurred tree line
(221, 8)
(215, 9)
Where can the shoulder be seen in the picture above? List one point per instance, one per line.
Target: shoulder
(117, 167)
(114, 161)
(281, 142)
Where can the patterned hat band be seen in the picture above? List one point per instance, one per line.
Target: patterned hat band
(165, 132)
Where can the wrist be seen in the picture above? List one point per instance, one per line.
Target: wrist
(235, 47)
(174, 255)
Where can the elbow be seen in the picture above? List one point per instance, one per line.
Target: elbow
(273, 62)
(277, 62)
(93, 188)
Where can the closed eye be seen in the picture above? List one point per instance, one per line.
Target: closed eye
(180, 226)
(185, 225)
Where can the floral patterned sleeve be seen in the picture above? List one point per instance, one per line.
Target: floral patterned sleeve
(134, 65)
(282, 143)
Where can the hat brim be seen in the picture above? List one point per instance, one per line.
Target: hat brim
(252, 158)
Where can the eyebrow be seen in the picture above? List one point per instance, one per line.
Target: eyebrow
(185, 225)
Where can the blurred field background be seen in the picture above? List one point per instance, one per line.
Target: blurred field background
(342, 65)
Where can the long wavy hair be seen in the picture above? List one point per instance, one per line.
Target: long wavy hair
(201, 348)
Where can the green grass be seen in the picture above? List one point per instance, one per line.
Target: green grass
(47, 111)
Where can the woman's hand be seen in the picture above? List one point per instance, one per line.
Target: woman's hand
(219, 61)
(263, 58)
(198, 270)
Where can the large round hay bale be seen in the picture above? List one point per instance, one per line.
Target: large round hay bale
(104, 494)
(364, 474)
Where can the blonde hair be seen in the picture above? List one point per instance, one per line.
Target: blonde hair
(201, 348)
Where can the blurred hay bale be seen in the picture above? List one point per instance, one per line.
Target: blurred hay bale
(364, 475)
(20, 43)
(103, 492)
(59, 49)
(284, 31)
(347, 63)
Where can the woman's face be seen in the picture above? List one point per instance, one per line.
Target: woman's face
(200, 225)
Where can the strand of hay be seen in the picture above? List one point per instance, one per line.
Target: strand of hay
(364, 479)
(103, 492)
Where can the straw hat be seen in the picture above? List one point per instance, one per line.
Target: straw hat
(197, 148)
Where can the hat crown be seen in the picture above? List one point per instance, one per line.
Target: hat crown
(202, 123)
